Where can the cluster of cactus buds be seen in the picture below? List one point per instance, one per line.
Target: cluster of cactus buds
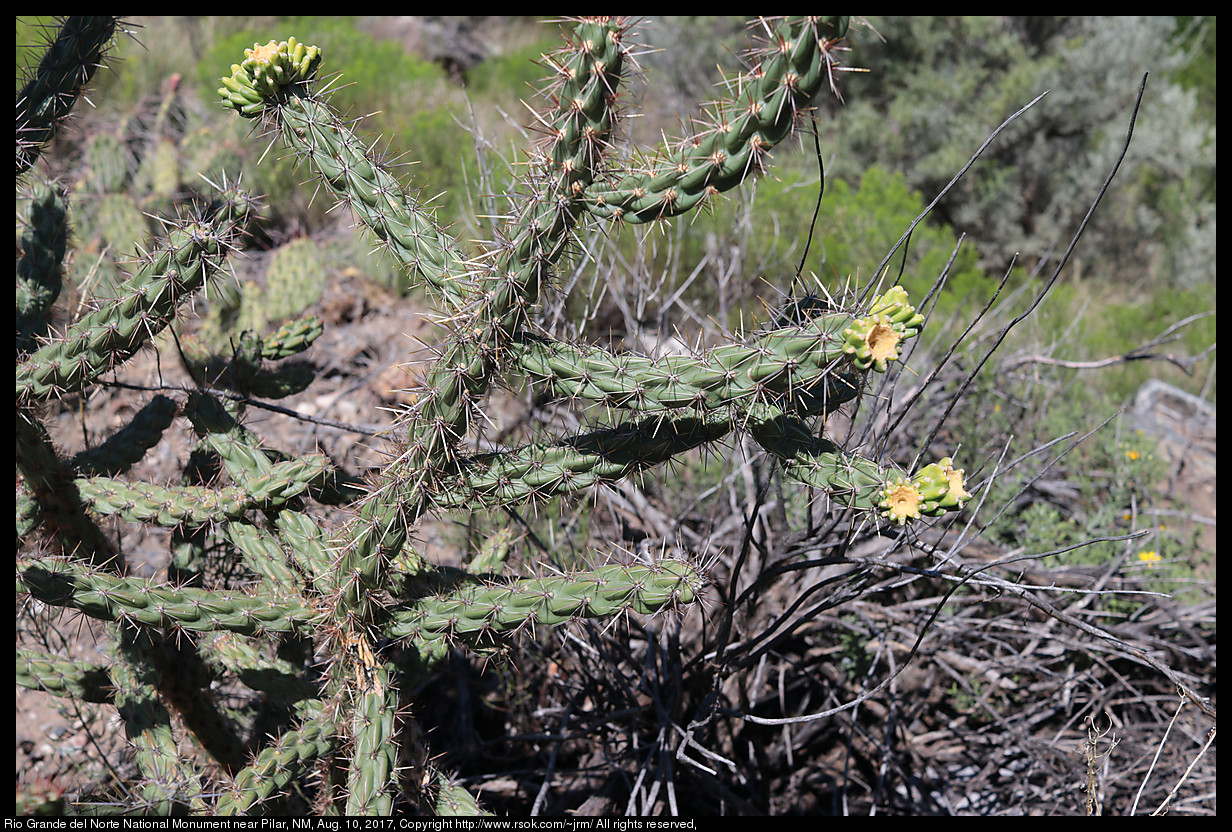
(934, 490)
(361, 593)
(267, 73)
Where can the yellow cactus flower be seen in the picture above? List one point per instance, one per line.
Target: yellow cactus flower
(901, 501)
(955, 477)
(873, 341)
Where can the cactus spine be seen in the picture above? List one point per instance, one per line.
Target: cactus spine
(360, 593)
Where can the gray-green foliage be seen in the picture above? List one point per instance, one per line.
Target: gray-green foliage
(939, 84)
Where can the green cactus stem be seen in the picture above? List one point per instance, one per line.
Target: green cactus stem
(96, 343)
(453, 800)
(371, 777)
(49, 498)
(73, 680)
(275, 81)
(276, 766)
(853, 481)
(66, 68)
(198, 505)
(800, 368)
(167, 785)
(735, 140)
(542, 471)
(479, 614)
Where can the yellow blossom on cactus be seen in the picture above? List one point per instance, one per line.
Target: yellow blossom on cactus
(901, 501)
(955, 476)
(893, 303)
(873, 341)
(883, 341)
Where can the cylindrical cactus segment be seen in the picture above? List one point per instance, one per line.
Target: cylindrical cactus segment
(263, 554)
(453, 800)
(848, 479)
(853, 481)
(542, 471)
(167, 785)
(801, 368)
(375, 751)
(110, 598)
(292, 338)
(874, 340)
(738, 135)
(478, 615)
(48, 97)
(588, 73)
(291, 756)
(192, 253)
(199, 505)
(317, 134)
(39, 272)
(75, 680)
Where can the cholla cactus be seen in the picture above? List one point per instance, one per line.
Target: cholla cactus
(378, 609)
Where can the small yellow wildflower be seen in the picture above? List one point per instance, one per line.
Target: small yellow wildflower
(1133, 455)
(1150, 557)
